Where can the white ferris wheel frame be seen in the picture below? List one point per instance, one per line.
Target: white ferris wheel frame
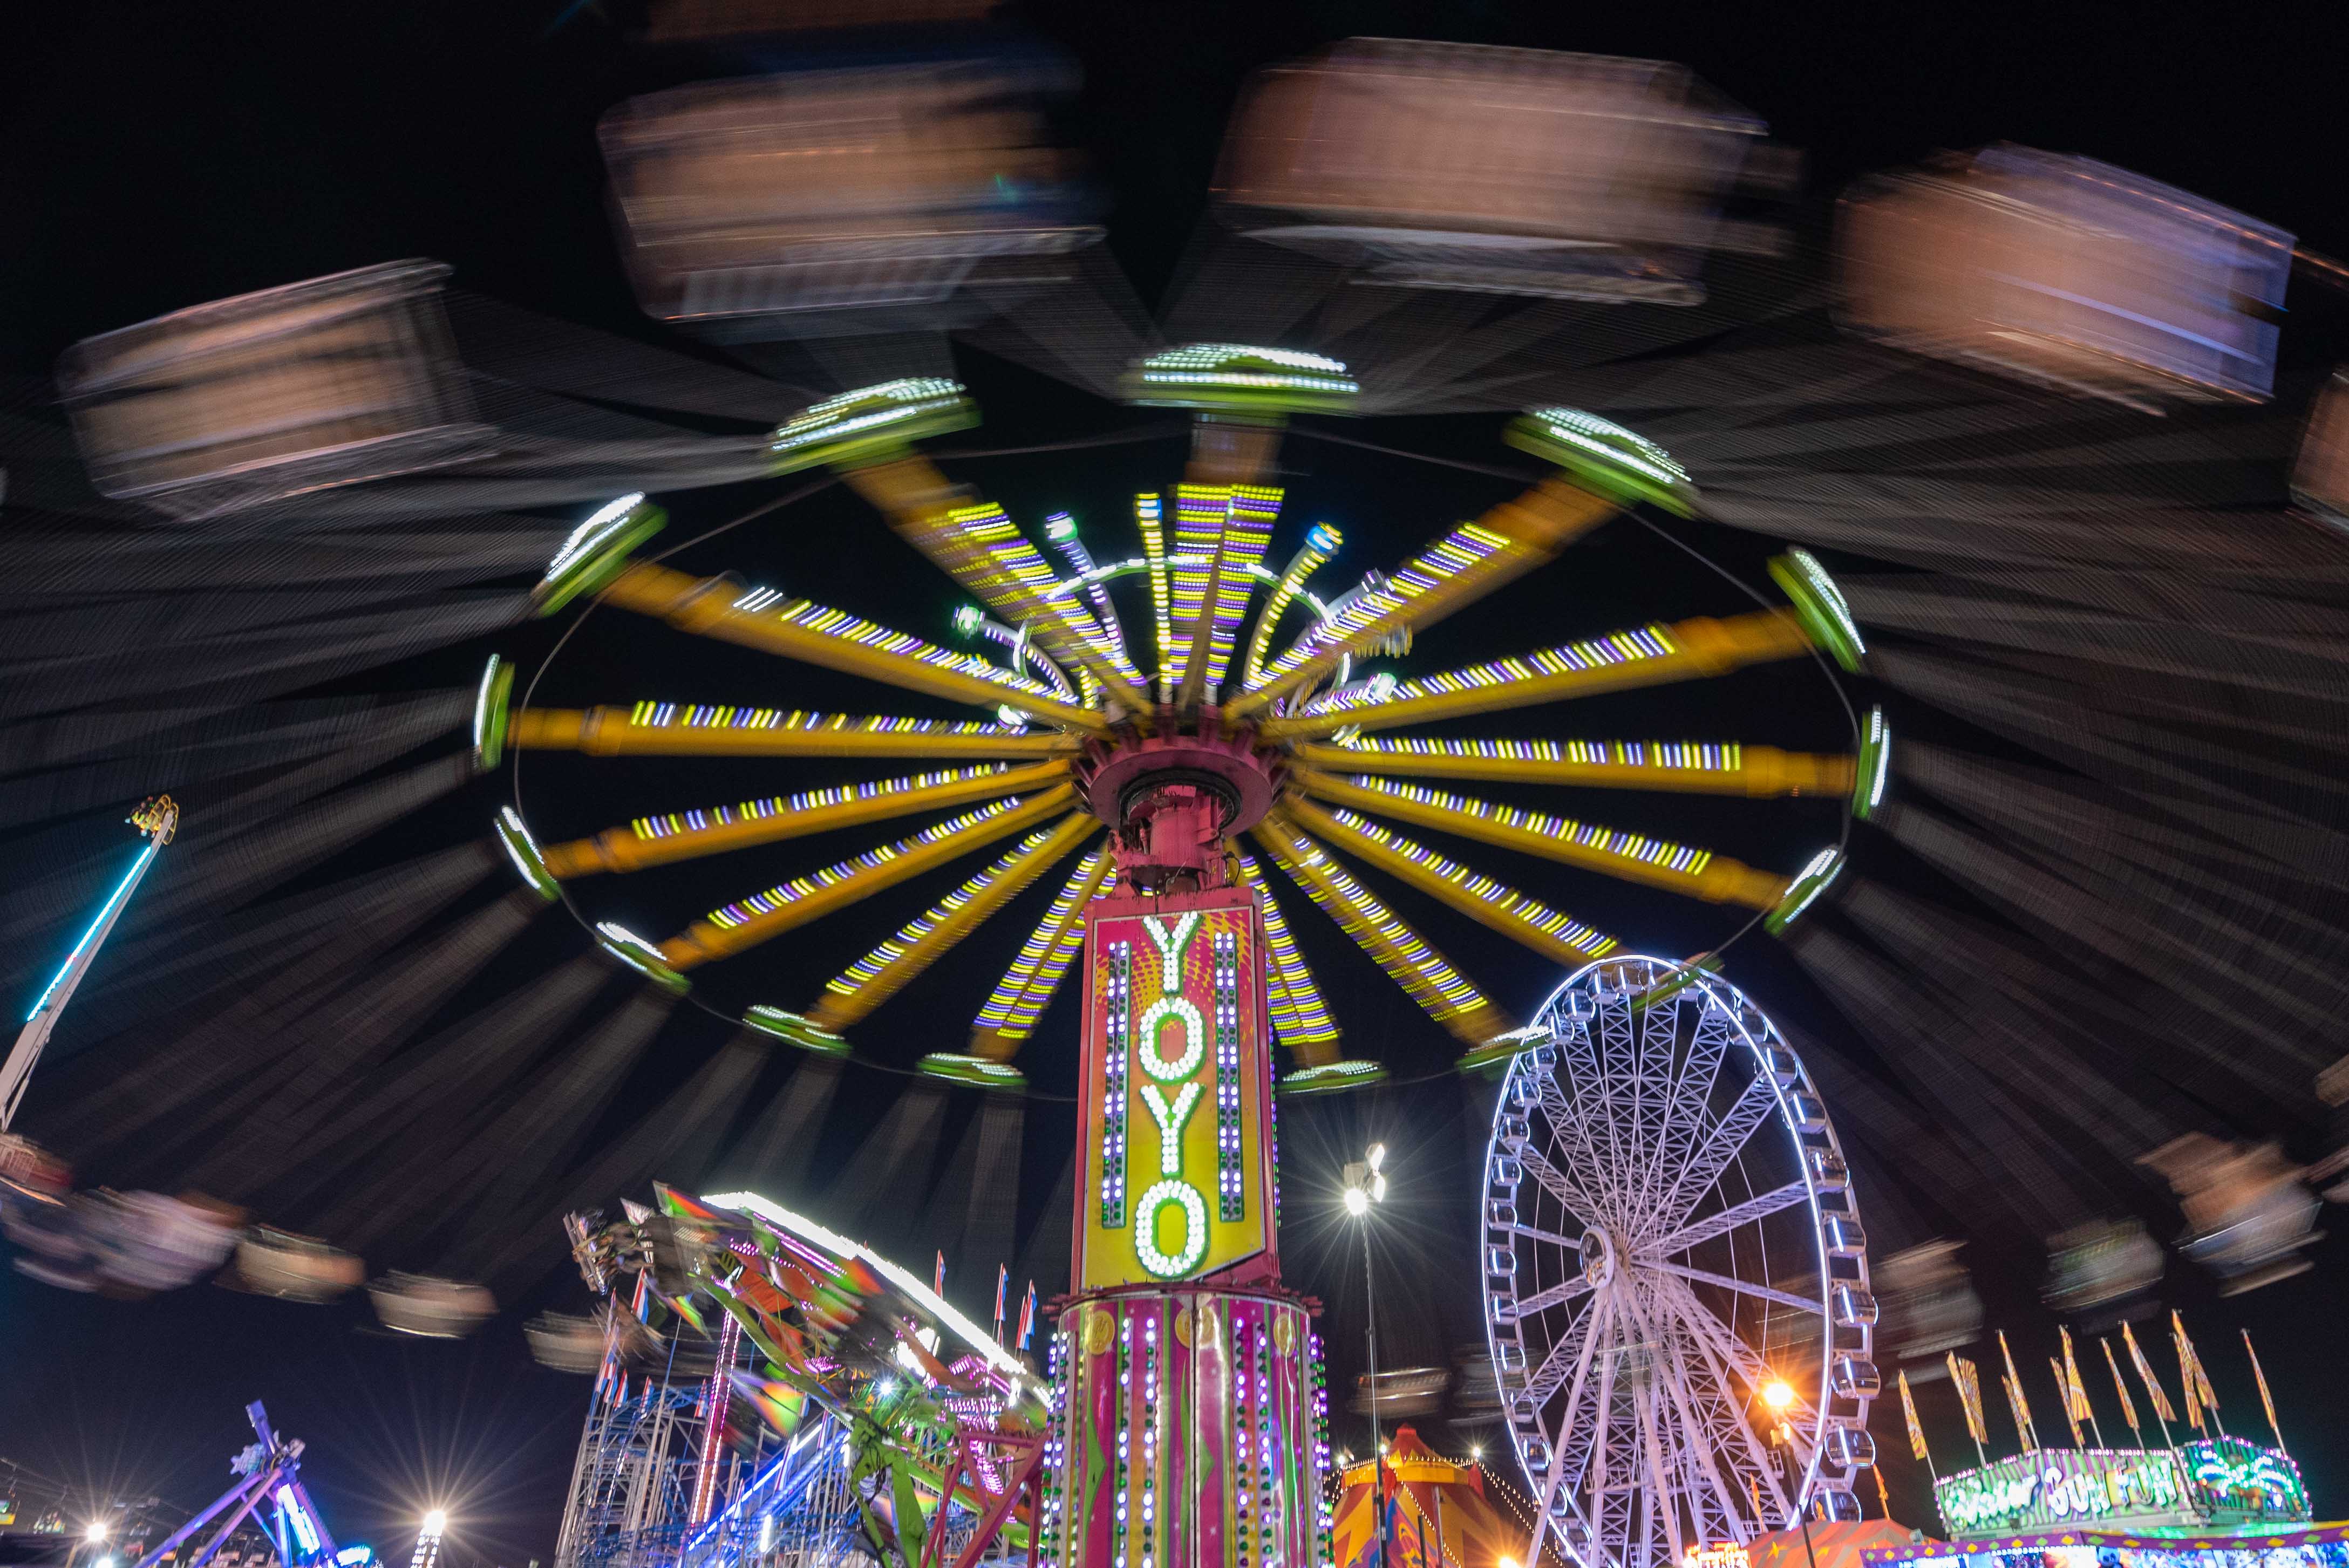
(1829, 1420)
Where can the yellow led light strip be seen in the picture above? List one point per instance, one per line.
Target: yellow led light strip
(1148, 522)
(687, 835)
(750, 921)
(921, 942)
(1020, 997)
(1648, 655)
(1688, 767)
(1301, 1018)
(1633, 857)
(1462, 567)
(1481, 898)
(976, 544)
(1425, 974)
(713, 729)
(1321, 542)
(818, 635)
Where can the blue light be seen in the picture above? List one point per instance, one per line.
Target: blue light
(295, 1514)
(353, 1556)
(104, 912)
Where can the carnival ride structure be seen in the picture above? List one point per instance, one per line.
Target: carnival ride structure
(1670, 1231)
(1199, 739)
(1125, 711)
(845, 1408)
(159, 821)
(270, 1481)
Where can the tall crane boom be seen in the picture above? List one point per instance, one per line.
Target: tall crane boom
(158, 818)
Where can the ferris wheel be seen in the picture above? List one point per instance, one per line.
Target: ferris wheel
(1676, 1276)
(1209, 709)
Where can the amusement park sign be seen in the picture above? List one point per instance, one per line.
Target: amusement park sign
(2061, 1486)
(1177, 1174)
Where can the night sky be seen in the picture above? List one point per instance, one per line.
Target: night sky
(160, 156)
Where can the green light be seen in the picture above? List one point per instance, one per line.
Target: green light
(956, 1068)
(490, 704)
(596, 552)
(796, 1030)
(1819, 605)
(641, 956)
(871, 423)
(1331, 1078)
(1602, 456)
(1875, 766)
(1824, 869)
(514, 838)
(1238, 378)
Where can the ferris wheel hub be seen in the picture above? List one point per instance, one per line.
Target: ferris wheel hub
(1599, 1257)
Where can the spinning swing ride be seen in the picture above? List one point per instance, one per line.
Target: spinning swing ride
(1219, 743)
(1204, 744)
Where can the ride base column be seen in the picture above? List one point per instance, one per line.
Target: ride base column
(1190, 1427)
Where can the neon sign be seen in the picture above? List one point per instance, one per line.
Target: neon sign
(2051, 1486)
(1721, 1554)
(2241, 1481)
(1177, 1177)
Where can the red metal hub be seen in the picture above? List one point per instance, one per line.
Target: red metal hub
(1171, 799)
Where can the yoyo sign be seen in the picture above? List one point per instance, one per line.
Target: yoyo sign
(1177, 1168)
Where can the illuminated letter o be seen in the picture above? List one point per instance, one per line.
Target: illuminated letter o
(1167, 1265)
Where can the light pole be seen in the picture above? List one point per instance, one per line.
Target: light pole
(1778, 1397)
(1366, 1184)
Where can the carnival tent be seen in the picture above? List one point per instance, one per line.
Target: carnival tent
(1442, 1514)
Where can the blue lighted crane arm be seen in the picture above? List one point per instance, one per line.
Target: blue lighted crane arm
(17, 1071)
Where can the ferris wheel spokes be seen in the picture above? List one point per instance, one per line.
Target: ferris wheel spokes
(1704, 1269)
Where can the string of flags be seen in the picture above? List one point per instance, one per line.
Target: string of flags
(2079, 1411)
(1026, 1335)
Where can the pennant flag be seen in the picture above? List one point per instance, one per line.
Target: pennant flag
(1883, 1498)
(1916, 1432)
(1027, 1316)
(2071, 1412)
(2075, 1393)
(1002, 1284)
(2267, 1400)
(1963, 1373)
(939, 1280)
(2189, 1371)
(2129, 1406)
(2015, 1402)
(2162, 1406)
(2186, 1369)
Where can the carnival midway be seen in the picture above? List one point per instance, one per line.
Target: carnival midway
(1165, 767)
